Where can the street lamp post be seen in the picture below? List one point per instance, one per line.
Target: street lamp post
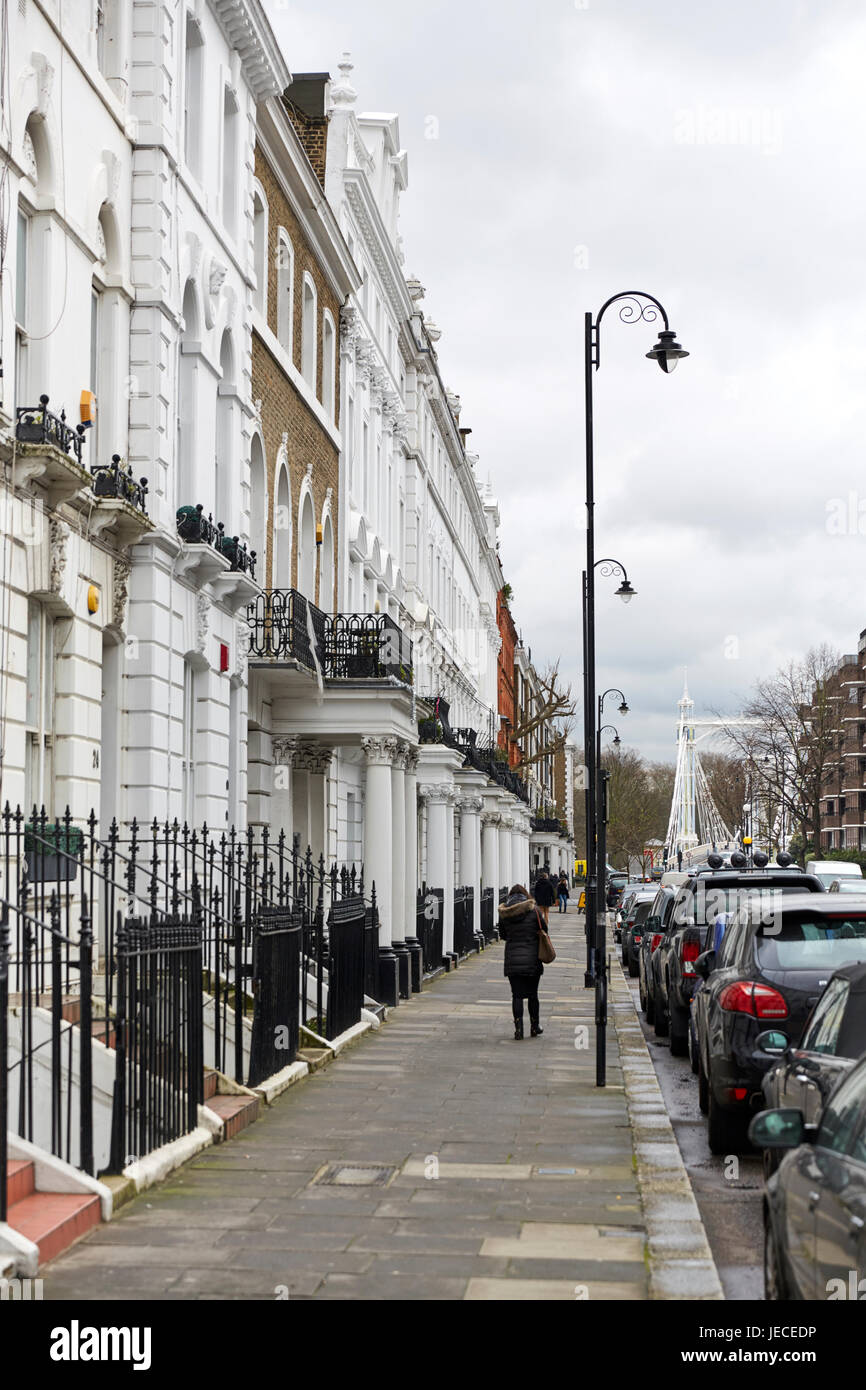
(635, 307)
(609, 568)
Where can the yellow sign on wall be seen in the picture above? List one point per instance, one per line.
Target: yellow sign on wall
(580, 868)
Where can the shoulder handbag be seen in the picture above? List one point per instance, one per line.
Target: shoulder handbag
(546, 953)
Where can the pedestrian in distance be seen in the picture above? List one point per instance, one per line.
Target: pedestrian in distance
(520, 929)
(545, 894)
(562, 893)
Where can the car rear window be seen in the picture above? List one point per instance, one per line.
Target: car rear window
(641, 912)
(801, 942)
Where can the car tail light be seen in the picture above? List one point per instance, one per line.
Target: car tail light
(691, 951)
(736, 1093)
(761, 1001)
(657, 937)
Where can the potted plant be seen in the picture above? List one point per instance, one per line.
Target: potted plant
(51, 851)
(363, 662)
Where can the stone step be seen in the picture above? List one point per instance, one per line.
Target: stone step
(20, 1180)
(210, 1084)
(54, 1220)
(236, 1112)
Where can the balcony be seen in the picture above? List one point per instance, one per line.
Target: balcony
(285, 628)
(49, 452)
(548, 825)
(437, 729)
(121, 509)
(211, 557)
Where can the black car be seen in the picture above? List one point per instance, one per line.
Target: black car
(700, 901)
(632, 927)
(657, 923)
(772, 965)
(815, 1202)
(833, 1040)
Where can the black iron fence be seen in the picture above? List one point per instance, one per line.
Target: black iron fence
(464, 930)
(158, 1035)
(208, 944)
(488, 915)
(114, 481)
(428, 927)
(285, 626)
(197, 529)
(36, 424)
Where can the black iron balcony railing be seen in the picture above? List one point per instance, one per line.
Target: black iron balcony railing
(367, 646)
(38, 425)
(548, 824)
(197, 529)
(281, 623)
(115, 481)
(285, 626)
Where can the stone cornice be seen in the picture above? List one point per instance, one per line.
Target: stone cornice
(377, 241)
(246, 28)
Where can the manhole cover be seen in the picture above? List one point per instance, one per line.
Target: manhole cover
(354, 1175)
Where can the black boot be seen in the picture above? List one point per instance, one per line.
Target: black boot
(517, 1011)
(535, 1028)
(518, 1029)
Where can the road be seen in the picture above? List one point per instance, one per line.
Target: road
(727, 1190)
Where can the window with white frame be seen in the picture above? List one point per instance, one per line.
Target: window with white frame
(39, 715)
(231, 123)
(285, 290)
(22, 294)
(260, 252)
(308, 333)
(192, 94)
(329, 353)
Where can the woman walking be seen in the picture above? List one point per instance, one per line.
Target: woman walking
(562, 892)
(519, 928)
(545, 895)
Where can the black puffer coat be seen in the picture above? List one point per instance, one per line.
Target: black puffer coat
(518, 927)
(545, 893)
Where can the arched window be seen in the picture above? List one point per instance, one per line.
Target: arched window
(329, 340)
(258, 507)
(281, 574)
(224, 500)
(185, 472)
(307, 549)
(285, 290)
(260, 251)
(308, 334)
(326, 573)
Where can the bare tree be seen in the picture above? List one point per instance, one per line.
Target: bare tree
(639, 802)
(554, 708)
(727, 779)
(791, 746)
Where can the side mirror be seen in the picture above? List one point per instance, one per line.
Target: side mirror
(773, 1043)
(778, 1129)
(705, 964)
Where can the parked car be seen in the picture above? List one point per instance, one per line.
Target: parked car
(833, 1041)
(815, 1202)
(829, 869)
(657, 923)
(766, 972)
(615, 884)
(634, 914)
(707, 894)
(631, 887)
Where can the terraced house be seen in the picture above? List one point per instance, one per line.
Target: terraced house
(248, 604)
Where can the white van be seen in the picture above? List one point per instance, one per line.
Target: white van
(829, 870)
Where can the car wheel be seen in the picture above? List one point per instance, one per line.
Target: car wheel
(769, 1163)
(703, 1088)
(775, 1284)
(650, 1009)
(641, 991)
(661, 1019)
(692, 1045)
(632, 966)
(726, 1130)
(679, 1033)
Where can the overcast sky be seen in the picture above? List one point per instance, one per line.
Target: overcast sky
(712, 155)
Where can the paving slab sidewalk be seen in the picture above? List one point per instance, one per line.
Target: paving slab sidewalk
(505, 1172)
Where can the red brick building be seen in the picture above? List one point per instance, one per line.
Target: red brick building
(508, 711)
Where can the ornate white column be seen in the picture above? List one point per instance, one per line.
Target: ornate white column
(439, 846)
(410, 885)
(281, 817)
(315, 760)
(448, 915)
(490, 853)
(470, 853)
(378, 847)
(505, 861)
(398, 869)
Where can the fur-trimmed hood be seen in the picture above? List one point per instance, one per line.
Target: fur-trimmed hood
(513, 908)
